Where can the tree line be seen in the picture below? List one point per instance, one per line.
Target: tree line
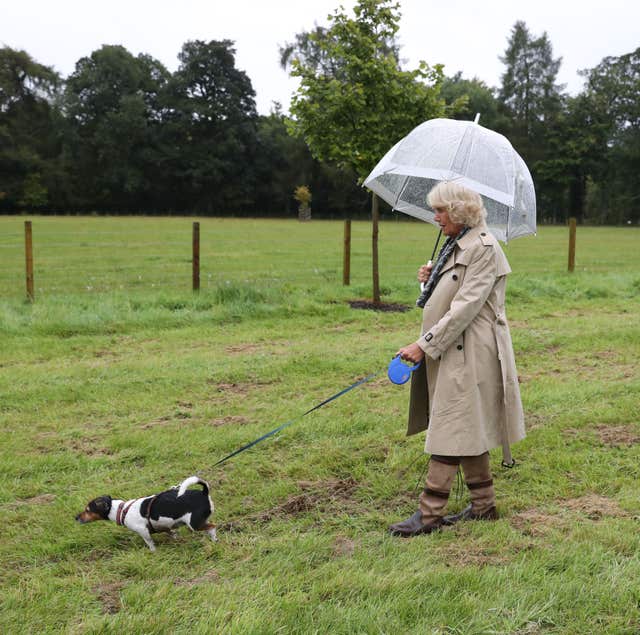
(122, 134)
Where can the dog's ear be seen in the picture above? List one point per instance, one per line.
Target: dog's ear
(102, 505)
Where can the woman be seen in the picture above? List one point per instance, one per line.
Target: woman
(467, 390)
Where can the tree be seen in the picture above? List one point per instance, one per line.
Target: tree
(113, 107)
(282, 162)
(310, 49)
(473, 96)
(611, 92)
(529, 90)
(575, 147)
(354, 100)
(533, 102)
(211, 131)
(28, 143)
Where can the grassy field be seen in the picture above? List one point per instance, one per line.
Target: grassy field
(120, 380)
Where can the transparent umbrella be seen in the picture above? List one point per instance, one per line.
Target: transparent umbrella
(476, 157)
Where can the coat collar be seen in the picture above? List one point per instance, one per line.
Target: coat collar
(480, 231)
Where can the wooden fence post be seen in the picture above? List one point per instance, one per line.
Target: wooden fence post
(572, 244)
(346, 266)
(375, 217)
(28, 249)
(196, 256)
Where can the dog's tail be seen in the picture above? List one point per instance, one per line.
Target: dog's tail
(193, 480)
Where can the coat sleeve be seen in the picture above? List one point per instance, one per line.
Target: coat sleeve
(479, 279)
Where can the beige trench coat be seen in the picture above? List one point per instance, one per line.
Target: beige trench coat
(466, 394)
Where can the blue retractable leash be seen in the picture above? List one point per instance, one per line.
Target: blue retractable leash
(288, 423)
(398, 373)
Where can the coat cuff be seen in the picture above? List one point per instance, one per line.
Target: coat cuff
(426, 344)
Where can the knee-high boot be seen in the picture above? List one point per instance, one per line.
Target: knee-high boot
(433, 499)
(477, 475)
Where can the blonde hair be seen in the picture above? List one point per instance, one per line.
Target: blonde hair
(464, 206)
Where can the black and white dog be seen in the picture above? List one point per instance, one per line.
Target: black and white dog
(160, 512)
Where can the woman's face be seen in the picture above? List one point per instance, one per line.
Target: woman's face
(449, 228)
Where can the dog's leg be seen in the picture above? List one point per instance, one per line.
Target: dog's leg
(146, 536)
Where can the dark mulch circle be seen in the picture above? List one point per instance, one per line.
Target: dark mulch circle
(385, 307)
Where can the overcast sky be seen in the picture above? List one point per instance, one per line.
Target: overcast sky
(463, 35)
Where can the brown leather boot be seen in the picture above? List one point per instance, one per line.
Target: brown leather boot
(477, 474)
(433, 500)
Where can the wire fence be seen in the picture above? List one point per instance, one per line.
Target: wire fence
(130, 254)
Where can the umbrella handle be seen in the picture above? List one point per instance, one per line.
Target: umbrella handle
(424, 284)
(435, 247)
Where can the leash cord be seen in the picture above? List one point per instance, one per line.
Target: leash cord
(304, 414)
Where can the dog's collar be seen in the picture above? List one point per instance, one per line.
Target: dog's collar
(123, 510)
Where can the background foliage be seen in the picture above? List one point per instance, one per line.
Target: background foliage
(122, 134)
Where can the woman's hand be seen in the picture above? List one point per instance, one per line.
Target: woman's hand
(424, 272)
(412, 353)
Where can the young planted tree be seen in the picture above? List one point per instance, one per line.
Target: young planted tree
(354, 100)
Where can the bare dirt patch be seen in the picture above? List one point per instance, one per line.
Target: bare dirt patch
(381, 381)
(238, 349)
(617, 436)
(109, 596)
(87, 446)
(208, 577)
(572, 433)
(533, 421)
(319, 496)
(594, 506)
(105, 353)
(610, 435)
(239, 389)
(608, 355)
(183, 411)
(233, 388)
(533, 522)
(471, 555)
(536, 523)
(230, 420)
(343, 547)
(160, 421)
(40, 499)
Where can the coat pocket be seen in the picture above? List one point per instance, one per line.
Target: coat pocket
(453, 374)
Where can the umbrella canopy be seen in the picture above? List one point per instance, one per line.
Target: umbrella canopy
(476, 157)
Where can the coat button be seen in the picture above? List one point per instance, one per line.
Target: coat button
(455, 277)
(459, 347)
(483, 233)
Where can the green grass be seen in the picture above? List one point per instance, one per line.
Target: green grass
(120, 380)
